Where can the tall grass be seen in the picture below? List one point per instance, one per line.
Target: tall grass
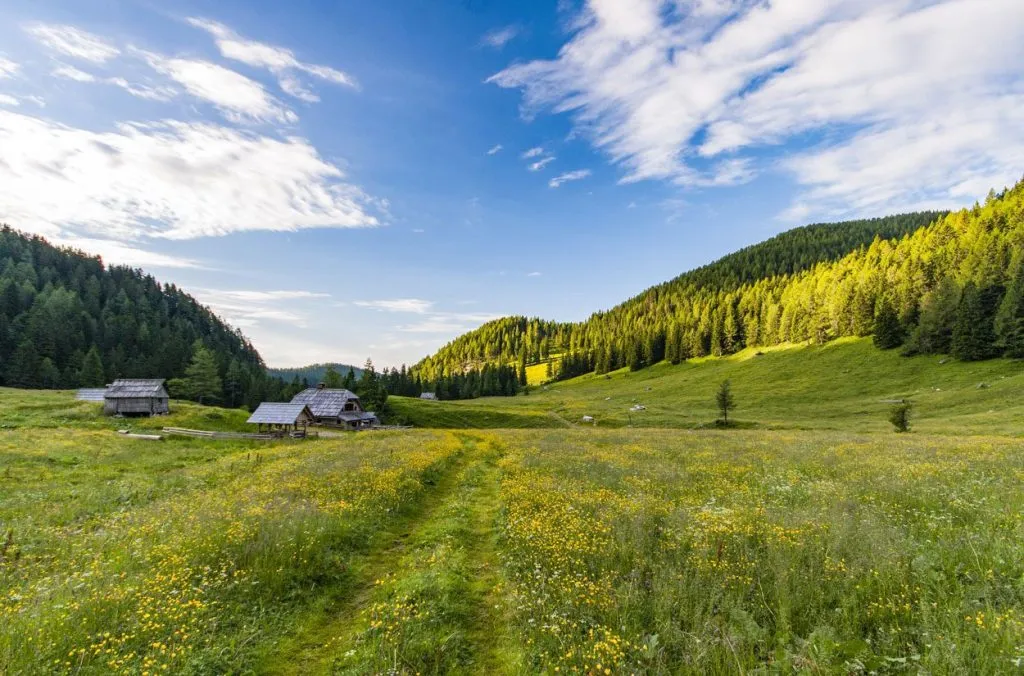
(195, 578)
(662, 552)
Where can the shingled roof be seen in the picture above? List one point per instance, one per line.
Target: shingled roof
(324, 402)
(279, 414)
(90, 394)
(128, 388)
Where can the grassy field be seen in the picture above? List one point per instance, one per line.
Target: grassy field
(844, 385)
(827, 545)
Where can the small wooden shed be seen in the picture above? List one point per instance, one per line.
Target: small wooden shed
(128, 396)
(279, 418)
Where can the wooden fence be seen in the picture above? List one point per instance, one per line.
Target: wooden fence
(206, 434)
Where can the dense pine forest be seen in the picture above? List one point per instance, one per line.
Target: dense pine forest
(66, 320)
(927, 282)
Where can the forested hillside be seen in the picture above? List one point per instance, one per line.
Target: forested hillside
(647, 317)
(66, 320)
(312, 374)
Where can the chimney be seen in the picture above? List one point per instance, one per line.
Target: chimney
(321, 386)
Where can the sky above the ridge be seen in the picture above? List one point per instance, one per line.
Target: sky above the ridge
(347, 179)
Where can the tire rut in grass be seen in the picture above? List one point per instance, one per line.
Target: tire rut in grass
(310, 648)
(440, 609)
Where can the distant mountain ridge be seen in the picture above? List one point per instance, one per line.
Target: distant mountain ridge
(314, 373)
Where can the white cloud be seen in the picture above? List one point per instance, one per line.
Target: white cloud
(533, 152)
(414, 305)
(160, 93)
(71, 73)
(249, 308)
(119, 253)
(169, 179)
(73, 42)
(278, 60)
(236, 96)
(7, 68)
(692, 91)
(577, 175)
(495, 149)
(448, 322)
(540, 164)
(533, 274)
(499, 37)
(7, 100)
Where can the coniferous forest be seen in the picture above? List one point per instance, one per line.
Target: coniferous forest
(67, 320)
(929, 282)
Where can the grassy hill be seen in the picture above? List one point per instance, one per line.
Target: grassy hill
(843, 385)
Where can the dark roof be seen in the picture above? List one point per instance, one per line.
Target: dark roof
(324, 403)
(279, 414)
(127, 388)
(90, 394)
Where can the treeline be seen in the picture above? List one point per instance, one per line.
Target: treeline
(947, 287)
(314, 373)
(511, 339)
(67, 321)
(491, 380)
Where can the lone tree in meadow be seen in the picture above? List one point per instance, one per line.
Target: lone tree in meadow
(725, 400)
(899, 416)
(202, 381)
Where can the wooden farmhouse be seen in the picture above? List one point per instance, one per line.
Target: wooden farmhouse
(336, 407)
(136, 397)
(281, 419)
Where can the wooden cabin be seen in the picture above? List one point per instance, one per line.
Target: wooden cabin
(281, 419)
(336, 407)
(127, 396)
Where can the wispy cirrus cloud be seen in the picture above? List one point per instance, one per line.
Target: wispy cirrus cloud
(8, 68)
(495, 149)
(448, 322)
(72, 42)
(413, 305)
(280, 61)
(532, 152)
(152, 93)
(499, 37)
(119, 253)
(8, 100)
(695, 92)
(172, 179)
(576, 175)
(239, 98)
(540, 164)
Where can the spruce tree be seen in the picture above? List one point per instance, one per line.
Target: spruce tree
(973, 332)
(49, 376)
(24, 367)
(724, 400)
(350, 380)
(887, 333)
(91, 374)
(1009, 322)
(332, 378)
(202, 381)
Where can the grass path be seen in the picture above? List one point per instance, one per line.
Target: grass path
(442, 558)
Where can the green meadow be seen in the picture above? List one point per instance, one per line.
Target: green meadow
(845, 385)
(810, 539)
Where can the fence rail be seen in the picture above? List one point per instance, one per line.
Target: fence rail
(207, 434)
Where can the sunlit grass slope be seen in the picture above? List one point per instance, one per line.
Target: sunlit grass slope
(844, 385)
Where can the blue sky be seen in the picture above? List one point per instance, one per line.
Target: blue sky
(352, 179)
